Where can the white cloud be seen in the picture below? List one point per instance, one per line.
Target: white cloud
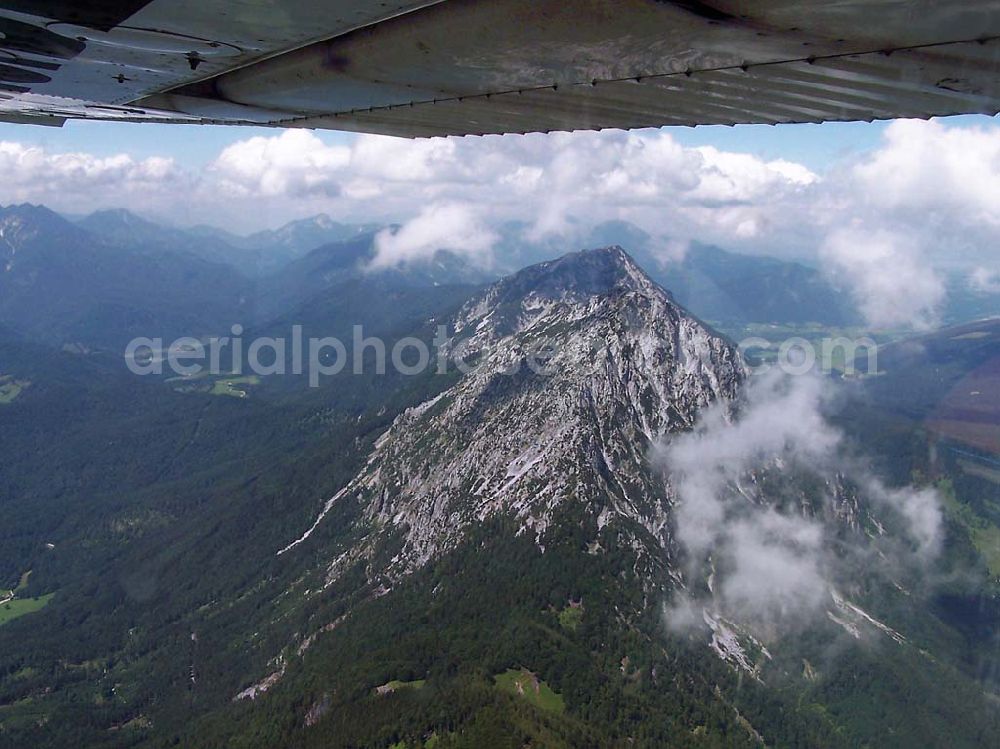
(930, 170)
(985, 280)
(443, 226)
(776, 566)
(783, 416)
(668, 250)
(80, 181)
(403, 161)
(893, 283)
(291, 164)
(551, 181)
(768, 550)
(920, 511)
(741, 177)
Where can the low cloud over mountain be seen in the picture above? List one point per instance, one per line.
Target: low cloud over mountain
(778, 564)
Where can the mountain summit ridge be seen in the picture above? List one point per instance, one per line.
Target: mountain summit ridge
(586, 272)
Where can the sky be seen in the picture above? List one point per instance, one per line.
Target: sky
(886, 209)
(195, 146)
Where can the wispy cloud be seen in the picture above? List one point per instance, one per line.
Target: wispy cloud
(888, 274)
(455, 227)
(763, 493)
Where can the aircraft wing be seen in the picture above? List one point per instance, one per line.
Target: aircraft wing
(460, 67)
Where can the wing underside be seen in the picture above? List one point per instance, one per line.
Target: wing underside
(459, 67)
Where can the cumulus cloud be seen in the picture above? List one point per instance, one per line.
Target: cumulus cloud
(454, 227)
(550, 181)
(893, 222)
(762, 493)
(743, 178)
(931, 171)
(294, 163)
(80, 181)
(395, 160)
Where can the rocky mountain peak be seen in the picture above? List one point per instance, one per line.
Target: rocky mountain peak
(577, 275)
(27, 212)
(24, 225)
(575, 284)
(575, 367)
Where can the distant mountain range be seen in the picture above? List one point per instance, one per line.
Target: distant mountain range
(107, 277)
(61, 283)
(253, 255)
(727, 288)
